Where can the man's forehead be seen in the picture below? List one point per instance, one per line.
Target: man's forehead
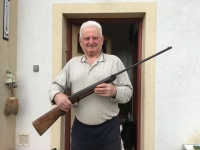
(91, 30)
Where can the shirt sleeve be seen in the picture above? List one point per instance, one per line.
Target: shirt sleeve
(123, 86)
(60, 84)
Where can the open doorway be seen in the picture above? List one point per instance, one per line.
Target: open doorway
(123, 39)
(125, 35)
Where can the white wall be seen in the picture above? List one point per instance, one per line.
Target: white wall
(177, 71)
(34, 47)
(177, 74)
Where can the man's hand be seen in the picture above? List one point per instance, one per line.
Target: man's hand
(62, 101)
(105, 89)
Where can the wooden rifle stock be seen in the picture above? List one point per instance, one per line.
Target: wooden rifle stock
(44, 122)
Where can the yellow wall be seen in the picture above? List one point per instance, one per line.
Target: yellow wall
(8, 61)
(147, 10)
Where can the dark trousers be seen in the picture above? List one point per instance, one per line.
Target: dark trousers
(105, 136)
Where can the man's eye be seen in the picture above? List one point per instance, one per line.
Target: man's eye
(95, 38)
(86, 39)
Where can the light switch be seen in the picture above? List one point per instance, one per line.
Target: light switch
(36, 68)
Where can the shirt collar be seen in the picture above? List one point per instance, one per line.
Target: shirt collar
(101, 58)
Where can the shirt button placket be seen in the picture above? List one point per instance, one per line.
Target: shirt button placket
(88, 75)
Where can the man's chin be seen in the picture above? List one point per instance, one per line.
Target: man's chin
(92, 52)
(91, 49)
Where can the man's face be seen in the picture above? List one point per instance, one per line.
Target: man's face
(91, 41)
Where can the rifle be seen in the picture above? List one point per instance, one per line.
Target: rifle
(44, 122)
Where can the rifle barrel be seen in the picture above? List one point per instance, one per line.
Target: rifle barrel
(168, 48)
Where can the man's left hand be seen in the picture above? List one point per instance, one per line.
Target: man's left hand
(107, 90)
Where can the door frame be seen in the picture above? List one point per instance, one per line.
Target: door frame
(137, 89)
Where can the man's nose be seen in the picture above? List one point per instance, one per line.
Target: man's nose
(91, 41)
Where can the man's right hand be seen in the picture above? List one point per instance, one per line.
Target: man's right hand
(62, 101)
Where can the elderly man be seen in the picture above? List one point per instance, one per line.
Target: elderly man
(96, 124)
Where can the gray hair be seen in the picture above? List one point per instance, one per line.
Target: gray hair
(90, 24)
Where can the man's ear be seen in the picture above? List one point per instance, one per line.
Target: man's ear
(102, 39)
(79, 39)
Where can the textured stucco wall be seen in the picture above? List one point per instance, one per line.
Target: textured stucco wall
(34, 48)
(177, 74)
